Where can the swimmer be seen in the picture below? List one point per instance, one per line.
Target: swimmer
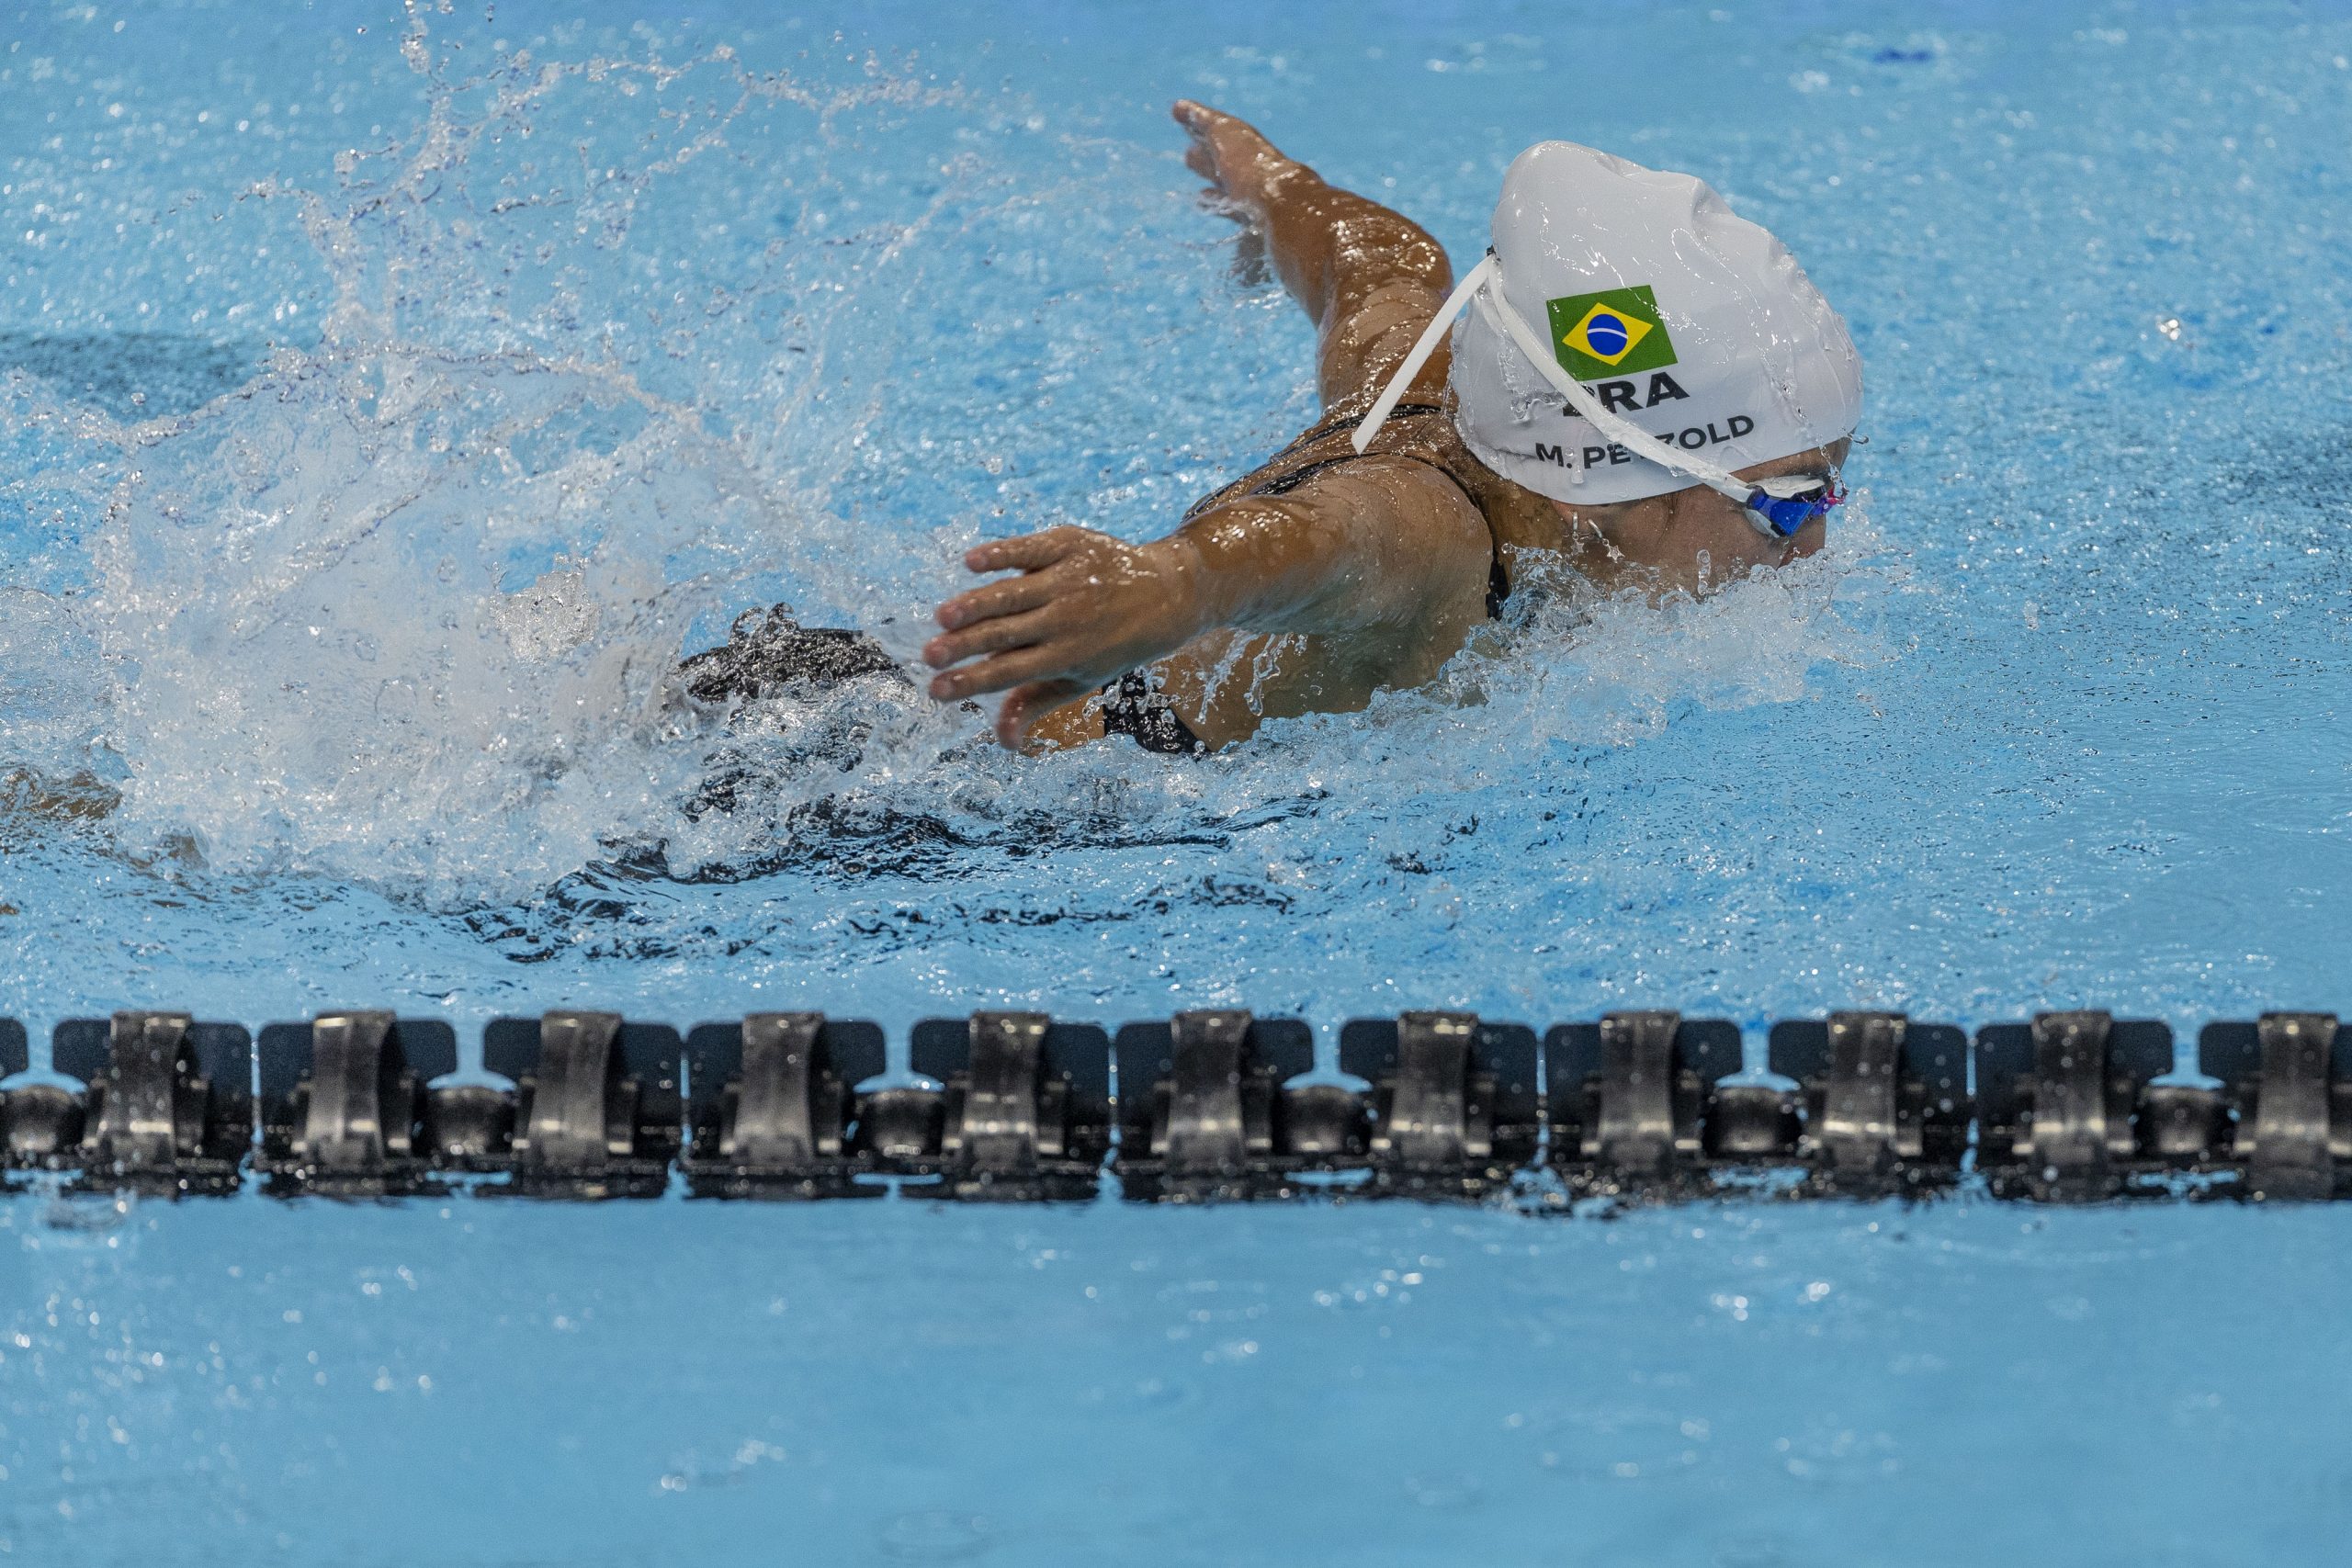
(1641, 384)
(1634, 382)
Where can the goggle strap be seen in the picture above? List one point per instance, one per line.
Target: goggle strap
(1439, 324)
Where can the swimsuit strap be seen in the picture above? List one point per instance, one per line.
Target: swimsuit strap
(1322, 430)
(1136, 710)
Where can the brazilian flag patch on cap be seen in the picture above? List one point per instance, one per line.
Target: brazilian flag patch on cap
(1614, 332)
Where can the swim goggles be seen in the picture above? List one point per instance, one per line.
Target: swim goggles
(1775, 507)
(1781, 516)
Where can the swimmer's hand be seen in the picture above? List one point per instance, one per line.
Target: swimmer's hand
(1085, 609)
(1239, 164)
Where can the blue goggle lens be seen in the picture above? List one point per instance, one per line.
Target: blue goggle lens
(1787, 516)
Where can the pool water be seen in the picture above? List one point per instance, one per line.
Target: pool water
(387, 397)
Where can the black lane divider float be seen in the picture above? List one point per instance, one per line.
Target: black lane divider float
(1213, 1105)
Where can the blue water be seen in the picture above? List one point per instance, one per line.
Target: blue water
(386, 399)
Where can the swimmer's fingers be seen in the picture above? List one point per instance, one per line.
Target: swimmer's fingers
(1009, 596)
(1024, 705)
(1028, 552)
(993, 635)
(1003, 672)
(1199, 157)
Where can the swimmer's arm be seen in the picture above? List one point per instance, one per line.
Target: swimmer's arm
(1372, 552)
(1368, 276)
(1385, 563)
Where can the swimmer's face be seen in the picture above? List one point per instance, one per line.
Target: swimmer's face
(1695, 538)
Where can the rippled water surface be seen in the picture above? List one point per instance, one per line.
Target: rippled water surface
(388, 398)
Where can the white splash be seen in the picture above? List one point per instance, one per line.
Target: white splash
(404, 609)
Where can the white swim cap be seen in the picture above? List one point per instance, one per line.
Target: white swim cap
(1684, 340)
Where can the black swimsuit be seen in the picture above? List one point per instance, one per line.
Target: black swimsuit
(1133, 706)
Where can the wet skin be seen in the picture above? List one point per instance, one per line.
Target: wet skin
(1368, 575)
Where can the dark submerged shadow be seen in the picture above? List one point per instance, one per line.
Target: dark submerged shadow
(132, 376)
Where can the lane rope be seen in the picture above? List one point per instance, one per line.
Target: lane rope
(1205, 1105)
